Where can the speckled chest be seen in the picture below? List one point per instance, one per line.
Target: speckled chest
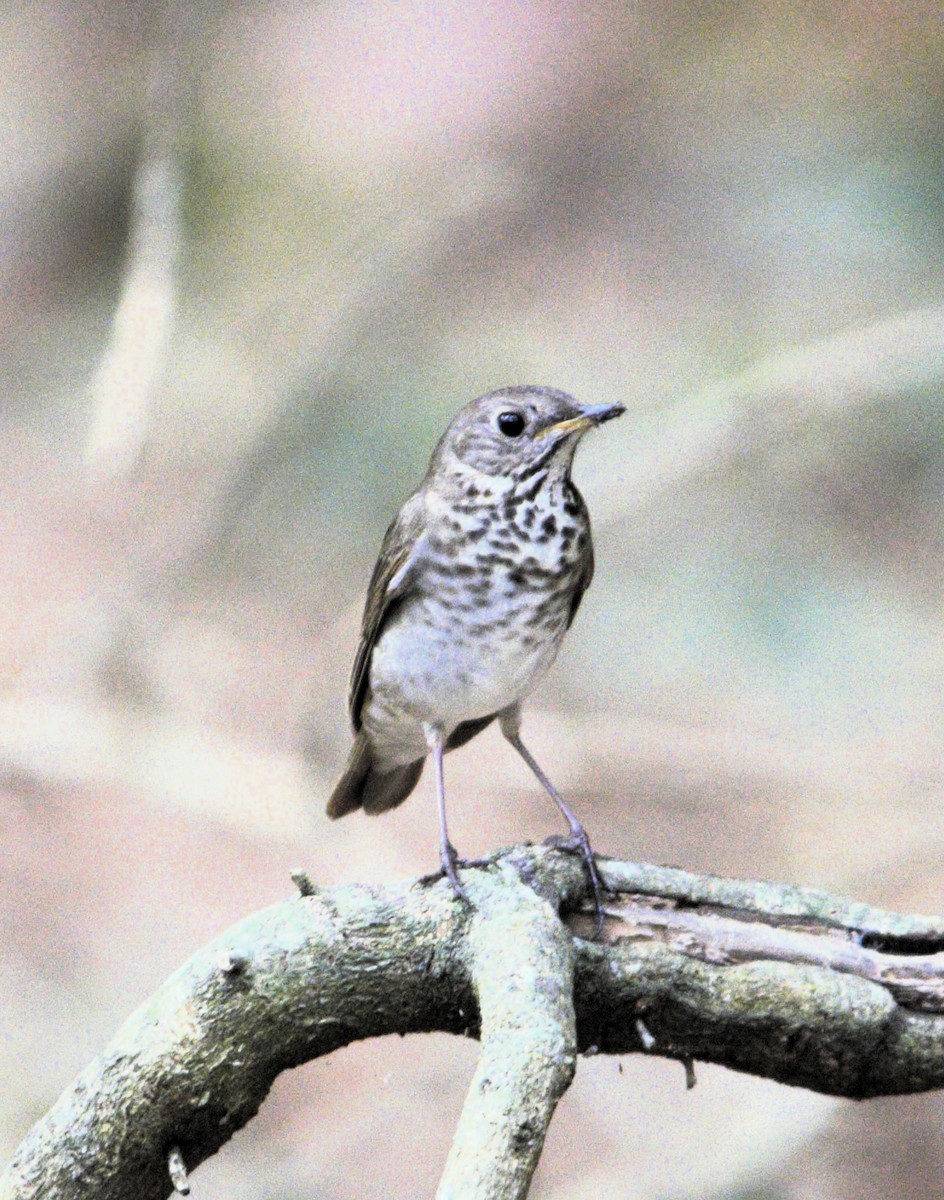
(487, 611)
(507, 565)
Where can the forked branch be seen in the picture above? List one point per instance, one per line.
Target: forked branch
(782, 982)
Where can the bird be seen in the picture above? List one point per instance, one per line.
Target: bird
(479, 577)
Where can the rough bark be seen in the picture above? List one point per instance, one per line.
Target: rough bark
(778, 981)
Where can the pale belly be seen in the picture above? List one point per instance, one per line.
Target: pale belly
(433, 667)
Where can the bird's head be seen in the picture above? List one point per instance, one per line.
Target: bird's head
(515, 431)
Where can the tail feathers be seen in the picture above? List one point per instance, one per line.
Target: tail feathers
(383, 791)
(363, 786)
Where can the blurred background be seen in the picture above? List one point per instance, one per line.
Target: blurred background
(253, 257)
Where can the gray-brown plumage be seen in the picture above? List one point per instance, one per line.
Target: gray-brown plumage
(478, 579)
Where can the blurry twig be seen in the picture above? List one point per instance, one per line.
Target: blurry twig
(734, 419)
(45, 745)
(743, 750)
(122, 391)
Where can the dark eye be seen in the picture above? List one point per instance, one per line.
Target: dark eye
(511, 424)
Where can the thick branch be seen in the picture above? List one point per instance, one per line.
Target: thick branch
(194, 1063)
(791, 984)
(772, 900)
(529, 1047)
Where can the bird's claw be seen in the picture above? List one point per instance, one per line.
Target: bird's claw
(579, 843)
(450, 864)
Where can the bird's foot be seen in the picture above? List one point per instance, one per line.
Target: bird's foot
(579, 843)
(450, 865)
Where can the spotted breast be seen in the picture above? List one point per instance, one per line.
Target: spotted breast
(493, 593)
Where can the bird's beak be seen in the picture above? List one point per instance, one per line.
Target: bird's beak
(590, 415)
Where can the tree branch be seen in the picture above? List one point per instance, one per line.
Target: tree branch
(529, 1045)
(778, 981)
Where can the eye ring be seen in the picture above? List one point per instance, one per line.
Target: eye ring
(511, 424)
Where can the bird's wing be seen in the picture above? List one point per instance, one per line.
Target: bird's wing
(586, 565)
(400, 552)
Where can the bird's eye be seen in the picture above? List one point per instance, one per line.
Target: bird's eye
(511, 424)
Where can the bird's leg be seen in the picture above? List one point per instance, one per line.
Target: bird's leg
(578, 842)
(448, 857)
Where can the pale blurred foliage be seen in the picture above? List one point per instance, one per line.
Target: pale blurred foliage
(252, 258)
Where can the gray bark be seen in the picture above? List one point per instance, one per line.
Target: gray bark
(787, 983)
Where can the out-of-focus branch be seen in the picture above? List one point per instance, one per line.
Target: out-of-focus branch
(122, 392)
(783, 982)
(734, 420)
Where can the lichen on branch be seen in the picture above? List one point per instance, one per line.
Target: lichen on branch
(778, 981)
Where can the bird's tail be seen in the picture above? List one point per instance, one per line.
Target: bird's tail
(363, 786)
